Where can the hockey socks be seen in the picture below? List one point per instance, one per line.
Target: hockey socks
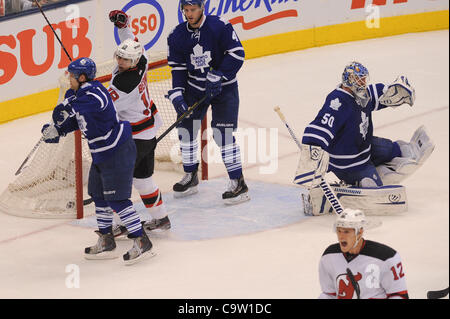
(151, 197)
(104, 215)
(231, 156)
(128, 216)
(189, 155)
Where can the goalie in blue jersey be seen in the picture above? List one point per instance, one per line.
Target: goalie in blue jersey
(88, 107)
(341, 135)
(205, 54)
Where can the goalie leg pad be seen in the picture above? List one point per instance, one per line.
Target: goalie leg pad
(384, 200)
(413, 155)
(312, 166)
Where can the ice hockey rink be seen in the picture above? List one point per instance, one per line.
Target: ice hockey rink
(279, 259)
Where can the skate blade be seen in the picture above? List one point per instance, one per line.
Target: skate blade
(146, 255)
(237, 200)
(121, 238)
(102, 256)
(191, 191)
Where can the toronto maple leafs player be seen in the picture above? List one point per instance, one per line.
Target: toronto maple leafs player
(205, 54)
(356, 268)
(132, 99)
(342, 134)
(88, 107)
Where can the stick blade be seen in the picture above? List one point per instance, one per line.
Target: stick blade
(437, 294)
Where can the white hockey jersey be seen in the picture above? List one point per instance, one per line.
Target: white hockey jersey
(129, 92)
(377, 271)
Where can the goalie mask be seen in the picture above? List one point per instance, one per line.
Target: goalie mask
(355, 77)
(129, 49)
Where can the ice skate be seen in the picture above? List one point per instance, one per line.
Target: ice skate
(142, 249)
(187, 186)
(237, 192)
(157, 224)
(104, 249)
(120, 232)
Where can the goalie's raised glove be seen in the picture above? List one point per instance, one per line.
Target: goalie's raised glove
(398, 93)
(213, 83)
(119, 18)
(176, 97)
(50, 133)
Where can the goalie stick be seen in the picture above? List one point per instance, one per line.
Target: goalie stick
(437, 294)
(328, 192)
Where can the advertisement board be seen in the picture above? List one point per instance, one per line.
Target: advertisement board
(31, 59)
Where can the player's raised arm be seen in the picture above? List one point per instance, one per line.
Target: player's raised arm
(120, 20)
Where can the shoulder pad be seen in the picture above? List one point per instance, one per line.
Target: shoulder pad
(377, 250)
(332, 249)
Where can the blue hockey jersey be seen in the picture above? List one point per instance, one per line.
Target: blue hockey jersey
(344, 129)
(92, 111)
(192, 53)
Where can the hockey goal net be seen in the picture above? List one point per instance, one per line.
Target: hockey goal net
(54, 182)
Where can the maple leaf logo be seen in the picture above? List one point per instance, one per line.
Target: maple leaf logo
(335, 104)
(200, 60)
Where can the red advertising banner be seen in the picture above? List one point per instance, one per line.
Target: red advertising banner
(359, 4)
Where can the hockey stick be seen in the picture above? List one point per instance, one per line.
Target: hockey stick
(189, 111)
(19, 170)
(328, 192)
(70, 58)
(56, 35)
(354, 283)
(437, 294)
(86, 201)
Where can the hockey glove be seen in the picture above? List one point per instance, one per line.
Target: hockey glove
(213, 83)
(176, 97)
(119, 18)
(61, 113)
(398, 93)
(50, 133)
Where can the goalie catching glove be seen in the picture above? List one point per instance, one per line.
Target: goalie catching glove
(398, 93)
(312, 166)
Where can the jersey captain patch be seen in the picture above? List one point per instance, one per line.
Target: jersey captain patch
(200, 60)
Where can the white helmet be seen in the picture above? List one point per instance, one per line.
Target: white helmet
(129, 49)
(351, 218)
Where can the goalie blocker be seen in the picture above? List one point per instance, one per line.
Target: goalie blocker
(384, 200)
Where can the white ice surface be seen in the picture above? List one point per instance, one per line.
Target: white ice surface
(275, 263)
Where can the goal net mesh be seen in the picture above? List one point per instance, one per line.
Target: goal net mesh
(46, 186)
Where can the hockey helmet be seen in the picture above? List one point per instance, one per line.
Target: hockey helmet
(355, 77)
(200, 3)
(84, 66)
(350, 218)
(131, 50)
